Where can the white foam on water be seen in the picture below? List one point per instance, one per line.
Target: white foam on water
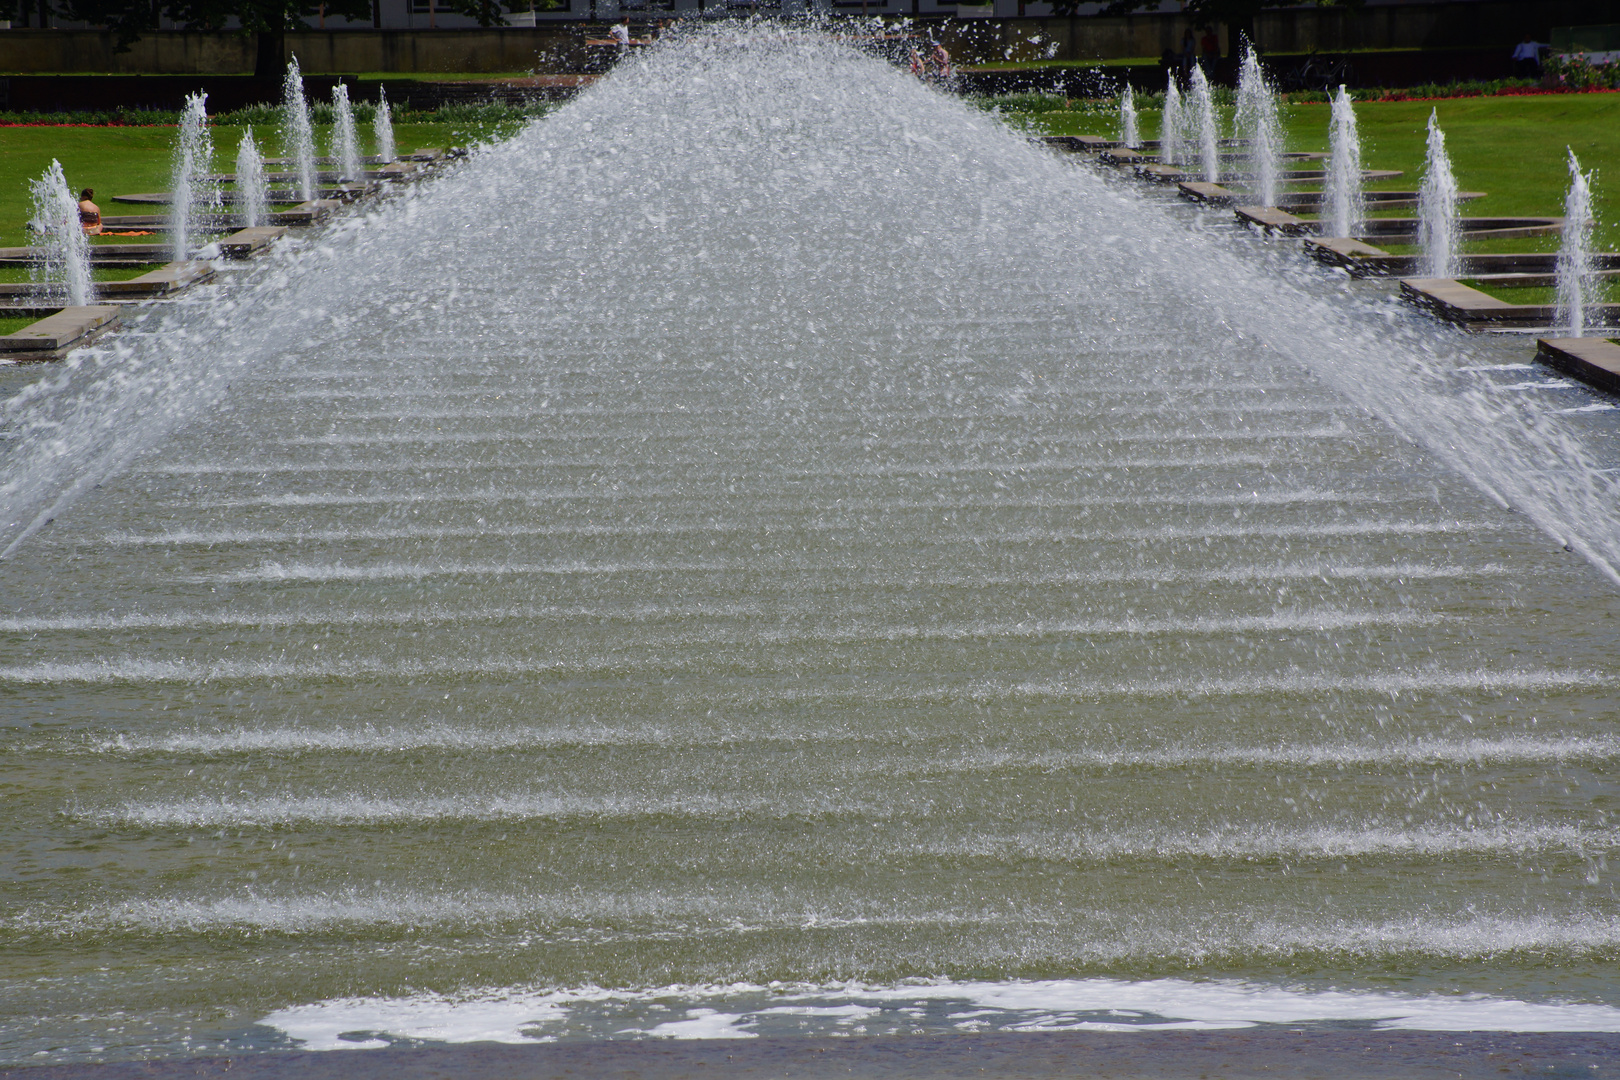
(393, 571)
(1256, 841)
(192, 618)
(1301, 497)
(502, 438)
(137, 670)
(1392, 683)
(355, 809)
(1450, 753)
(1107, 1004)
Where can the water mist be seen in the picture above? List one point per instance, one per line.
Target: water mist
(191, 191)
(61, 263)
(297, 134)
(1437, 208)
(252, 191)
(1344, 208)
(1577, 278)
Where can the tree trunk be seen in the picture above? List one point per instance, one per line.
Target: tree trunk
(376, 14)
(267, 61)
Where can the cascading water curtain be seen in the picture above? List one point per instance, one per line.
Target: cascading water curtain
(252, 198)
(61, 264)
(1576, 276)
(192, 189)
(1170, 127)
(297, 136)
(1344, 197)
(1437, 208)
(382, 127)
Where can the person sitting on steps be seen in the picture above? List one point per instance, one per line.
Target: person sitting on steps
(89, 213)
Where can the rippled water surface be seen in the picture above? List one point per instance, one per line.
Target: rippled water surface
(768, 523)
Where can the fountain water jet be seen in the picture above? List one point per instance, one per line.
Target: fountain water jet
(297, 134)
(1437, 208)
(191, 190)
(382, 127)
(1170, 127)
(252, 190)
(1201, 115)
(1258, 125)
(61, 266)
(345, 144)
(817, 450)
(1577, 279)
(1127, 119)
(1345, 208)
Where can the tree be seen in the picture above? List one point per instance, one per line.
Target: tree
(269, 20)
(1238, 15)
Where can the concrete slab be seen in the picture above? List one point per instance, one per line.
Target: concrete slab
(164, 281)
(1071, 143)
(1595, 361)
(426, 157)
(1457, 303)
(1162, 174)
(1120, 155)
(1473, 309)
(1375, 200)
(396, 170)
(1273, 220)
(1404, 229)
(100, 254)
(246, 243)
(1093, 143)
(1364, 260)
(1214, 194)
(282, 196)
(305, 213)
(54, 336)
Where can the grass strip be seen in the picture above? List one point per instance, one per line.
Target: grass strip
(120, 161)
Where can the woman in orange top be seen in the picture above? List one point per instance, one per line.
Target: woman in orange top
(89, 213)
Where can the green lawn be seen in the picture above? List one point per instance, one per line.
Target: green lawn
(1538, 294)
(123, 160)
(10, 324)
(12, 274)
(1512, 148)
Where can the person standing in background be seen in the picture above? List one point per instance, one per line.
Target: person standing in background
(1527, 58)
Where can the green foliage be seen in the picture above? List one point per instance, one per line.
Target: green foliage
(270, 116)
(1578, 72)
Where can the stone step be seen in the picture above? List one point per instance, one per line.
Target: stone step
(246, 243)
(54, 336)
(164, 281)
(1595, 361)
